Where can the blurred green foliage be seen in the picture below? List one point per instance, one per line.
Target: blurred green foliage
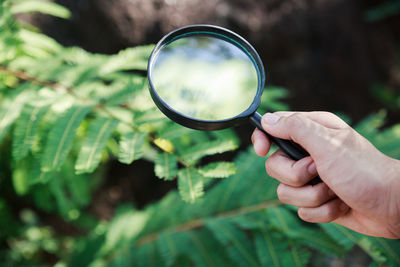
(65, 113)
(382, 11)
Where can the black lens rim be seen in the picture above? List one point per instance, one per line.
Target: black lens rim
(236, 40)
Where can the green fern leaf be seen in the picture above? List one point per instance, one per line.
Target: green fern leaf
(348, 238)
(268, 250)
(210, 148)
(97, 136)
(149, 116)
(198, 246)
(218, 170)
(126, 93)
(344, 236)
(131, 58)
(124, 228)
(190, 185)
(26, 130)
(369, 126)
(131, 146)
(239, 249)
(44, 7)
(170, 246)
(147, 256)
(271, 99)
(273, 250)
(39, 43)
(166, 166)
(144, 256)
(204, 251)
(173, 130)
(10, 110)
(288, 224)
(61, 137)
(64, 204)
(20, 177)
(388, 247)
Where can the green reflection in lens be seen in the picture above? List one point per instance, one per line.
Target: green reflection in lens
(205, 78)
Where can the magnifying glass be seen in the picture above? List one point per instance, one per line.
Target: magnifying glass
(209, 78)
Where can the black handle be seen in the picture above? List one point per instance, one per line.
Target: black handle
(292, 149)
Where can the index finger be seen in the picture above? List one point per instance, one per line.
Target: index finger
(324, 118)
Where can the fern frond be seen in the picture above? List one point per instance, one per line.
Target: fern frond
(238, 247)
(143, 256)
(10, 110)
(204, 250)
(289, 225)
(93, 144)
(132, 58)
(61, 136)
(369, 126)
(210, 148)
(166, 166)
(126, 92)
(273, 250)
(149, 116)
(271, 99)
(39, 41)
(26, 130)
(148, 255)
(20, 177)
(168, 245)
(44, 7)
(239, 191)
(124, 228)
(344, 236)
(218, 170)
(64, 204)
(388, 141)
(390, 249)
(173, 130)
(190, 185)
(130, 146)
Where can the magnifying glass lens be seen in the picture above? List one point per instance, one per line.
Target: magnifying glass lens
(204, 77)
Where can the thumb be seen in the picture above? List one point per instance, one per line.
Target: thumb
(311, 135)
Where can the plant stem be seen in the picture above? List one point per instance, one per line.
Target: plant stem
(201, 222)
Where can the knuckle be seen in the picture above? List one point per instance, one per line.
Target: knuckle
(295, 121)
(316, 197)
(330, 214)
(329, 115)
(341, 136)
(268, 168)
(297, 179)
(338, 139)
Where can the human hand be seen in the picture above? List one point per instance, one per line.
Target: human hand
(361, 186)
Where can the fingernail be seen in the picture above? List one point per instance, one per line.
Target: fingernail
(312, 169)
(270, 118)
(343, 206)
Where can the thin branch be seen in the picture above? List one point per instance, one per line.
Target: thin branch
(194, 224)
(25, 77)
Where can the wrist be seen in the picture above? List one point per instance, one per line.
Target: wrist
(393, 182)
